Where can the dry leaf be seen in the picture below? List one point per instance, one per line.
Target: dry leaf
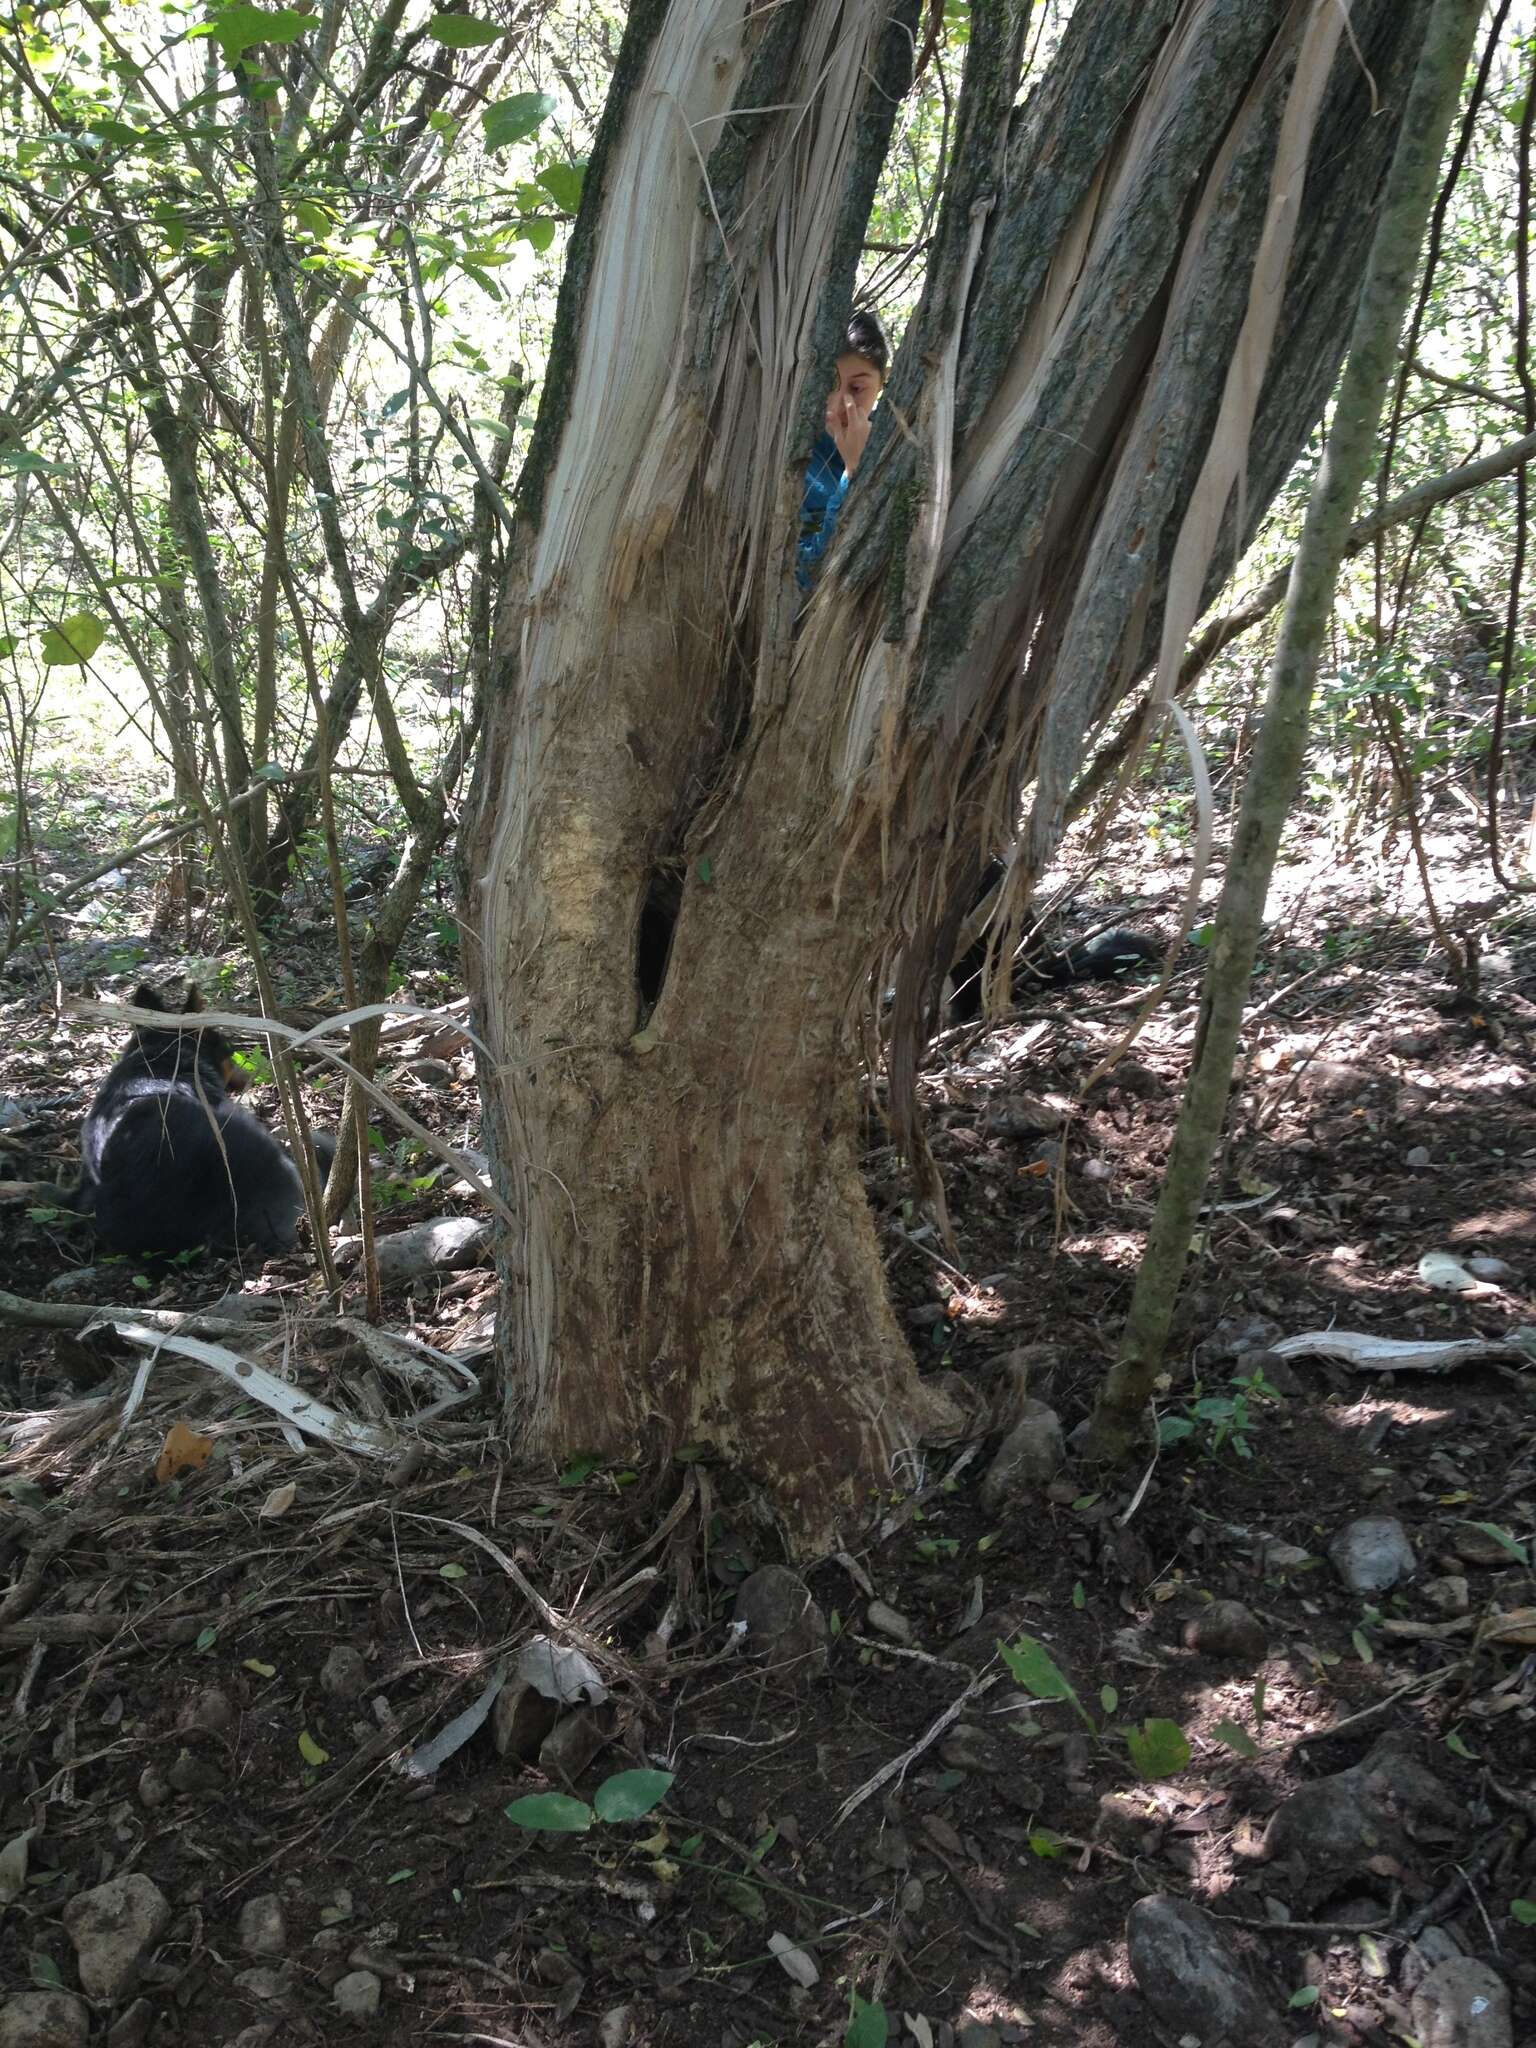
(278, 1501)
(183, 1451)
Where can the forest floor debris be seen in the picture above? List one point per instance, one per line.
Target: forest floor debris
(215, 1675)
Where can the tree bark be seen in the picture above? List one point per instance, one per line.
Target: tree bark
(1277, 756)
(694, 1257)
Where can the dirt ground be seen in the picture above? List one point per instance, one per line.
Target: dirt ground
(928, 1834)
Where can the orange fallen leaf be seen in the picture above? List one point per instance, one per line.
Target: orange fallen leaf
(183, 1451)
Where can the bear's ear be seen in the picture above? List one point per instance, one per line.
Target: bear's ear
(194, 996)
(146, 998)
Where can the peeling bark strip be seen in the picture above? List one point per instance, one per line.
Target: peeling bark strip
(693, 1257)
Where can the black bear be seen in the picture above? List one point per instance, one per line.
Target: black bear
(169, 1162)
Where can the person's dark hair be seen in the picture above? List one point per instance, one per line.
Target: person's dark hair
(866, 337)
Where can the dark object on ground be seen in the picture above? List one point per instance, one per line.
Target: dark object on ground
(1104, 958)
(170, 1163)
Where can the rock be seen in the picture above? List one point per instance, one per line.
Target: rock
(211, 1712)
(1360, 1821)
(1193, 1982)
(1418, 1157)
(198, 1775)
(1497, 1270)
(1234, 1337)
(263, 1929)
(84, 1283)
(1372, 1554)
(1029, 1457)
(153, 1790)
(344, 1674)
(267, 1981)
(885, 1621)
(1463, 2004)
(242, 1307)
(1285, 1557)
(113, 1928)
(423, 1248)
(1475, 1546)
(436, 1073)
(1227, 1629)
(1435, 1945)
(1449, 1595)
(44, 2019)
(1278, 1372)
(965, 1747)
(357, 1994)
(781, 1621)
(616, 2027)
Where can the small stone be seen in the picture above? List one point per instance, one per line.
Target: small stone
(44, 2019)
(1372, 1554)
(357, 1994)
(969, 1748)
(153, 1790)
(212, 1712)
(1285, 1557)
(113, 1928)
(781, 1622)
(1462, 2003)
(1046, 1153)
(913, 1897)
(1029, 1457)
(196, 1775)
(344, 1674)
(266, 1981)
(1192, 1980)
(1227, 1629)
(1475, 1546)
(1097, 1169)
(616, 2027)
(263, 1927)
(1450, 1595)
(886, 1621)
(1497, 1270)
(1418, 1157)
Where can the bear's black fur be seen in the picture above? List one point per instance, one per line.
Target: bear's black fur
(170, 1162)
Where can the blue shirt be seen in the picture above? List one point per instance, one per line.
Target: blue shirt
(826, 485)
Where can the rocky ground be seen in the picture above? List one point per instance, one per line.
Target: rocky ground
(303, 1744)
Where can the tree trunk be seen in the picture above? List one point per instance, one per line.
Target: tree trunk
(695, 1258)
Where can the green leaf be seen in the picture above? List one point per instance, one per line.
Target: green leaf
(452, 1571)
(400, 1876)
(1046, 1842)
(310, 1750)
(206, 1637)
(537, 233)
(1235, 1738)
(1079, 1595)
(1159, 1749)
(869, 2027)
(241, 27)
(1523, 1911)
(7, 646)
(45, 1971)
(72, 642)
(513, 120)
(563, 183)
(1033, 1668)
(1307, 1995)
(1457, 1747)
(1516, 1550)
(629, 1795)
(463, 31)
(552, 1813)
(745, 1899)
(24, 462)
(1109, 1699)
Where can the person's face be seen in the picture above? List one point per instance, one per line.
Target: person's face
(857, 387)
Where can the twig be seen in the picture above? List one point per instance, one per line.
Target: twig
(897, 1767)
